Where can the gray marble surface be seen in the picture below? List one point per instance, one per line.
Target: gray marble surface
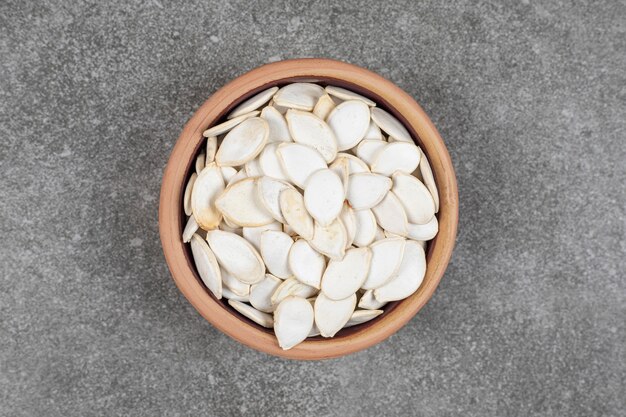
(530, 99)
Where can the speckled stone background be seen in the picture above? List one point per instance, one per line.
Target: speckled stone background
(530, 99)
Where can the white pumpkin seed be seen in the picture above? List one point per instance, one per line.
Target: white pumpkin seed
(269, 190)
(207, 187)
(341, 167)
(228, 173)
(263, 319)
(279, 131)
(355, 165)
(429, 180)
(324, 106)
(308, 129)
(275, 246)
(386, 258)
(397, 156)
(415, 198)
(369, 302)
(368, 149)
(362, 316)
(261, 293)
(324, 195)
(409, 276)
(190, 228)
(365, 228)
(229, 227)
(366, 190)
(200, 163)
(289, 287)
(240, 204)
(241, 174)
(237, 256)
(253, 103)
(211, 148)
(390, 125)
(253, 234)
(348, 219)
(423, 231)
(314, 331)
(380, 233)
(373, 132)
(233, 284)
(270, 165)
(253, 168)
(332, 315)
(226, 293)
(301, 96)
(293, 320)
(306, 263)
(345, 95)
(228, 125)
(207, 266)
(295, 214)
(187, 195)
(390, 215)
(299, 161)
(330, 240)
(344, 277)
(349, 122)
(243, 143)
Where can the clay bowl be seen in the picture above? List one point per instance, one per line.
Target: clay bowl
(181, 165)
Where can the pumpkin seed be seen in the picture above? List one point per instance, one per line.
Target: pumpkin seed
(275, 246)
(269, 190)
(300, 96)
(429, 180)
(306, 263)
(241, 174)
(253, 168)
(228, 294)
(308, 129)
(330, 240)
(373, 133)
(279, 131)
(409, 276)
(263, 319)
(253, 234)
(349, 121)
(253, 103)
(269, 163)
(390, 215)
(362, 316)
(397, 156)
(390, 125)
(344, 277)
(299, 161)
(261, 293)
(243, 143)
(369, 302)
(228, 173)
(386, 258)
(228, 125)
(355, 165)
(332, 315)
(211, 148)
(200, 163)
(187, 195)
(290, 287)
(415, 198)
(341, 168)
(233, 284)
(324, 195)
(366, 190)
(348, 219)
(293, 321)
(324, 106)
(368, 149)
(207, 266)
(365, 228)
(240, 204)
(207, 187)
(344, 94)
(237, 256)
(294, 211)
(423, 231)
(190, 228)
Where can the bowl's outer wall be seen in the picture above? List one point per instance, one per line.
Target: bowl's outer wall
(171, 216)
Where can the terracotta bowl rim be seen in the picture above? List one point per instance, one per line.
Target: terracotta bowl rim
(181, 162)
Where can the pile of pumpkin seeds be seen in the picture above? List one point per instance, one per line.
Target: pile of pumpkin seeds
(309, 210)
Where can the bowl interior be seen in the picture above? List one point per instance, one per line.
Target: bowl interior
(350, 339)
